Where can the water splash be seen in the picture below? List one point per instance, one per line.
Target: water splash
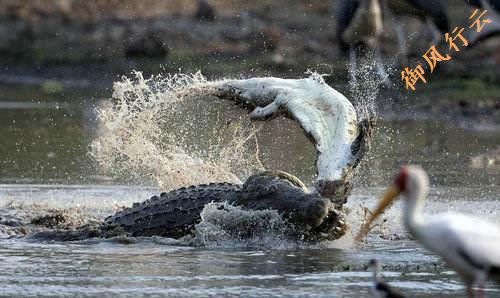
(172, 131)
(224, 225)
(168, 129)
(364, 86)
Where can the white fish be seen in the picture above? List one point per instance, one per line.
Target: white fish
(326, 116)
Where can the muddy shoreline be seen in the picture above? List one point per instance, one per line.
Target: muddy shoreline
(86, 46)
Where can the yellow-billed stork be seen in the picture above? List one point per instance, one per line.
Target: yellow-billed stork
(469, 245)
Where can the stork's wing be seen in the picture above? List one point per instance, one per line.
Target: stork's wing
(476, 240)
(326, 116)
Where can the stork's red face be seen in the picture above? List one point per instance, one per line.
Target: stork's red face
(401, 179)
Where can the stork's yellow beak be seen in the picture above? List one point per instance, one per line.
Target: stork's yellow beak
(389, 196)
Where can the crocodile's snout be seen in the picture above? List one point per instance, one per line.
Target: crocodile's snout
(327, 188)
(318, 210)
(333, 189)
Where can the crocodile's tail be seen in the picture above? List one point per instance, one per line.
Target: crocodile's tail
(81, 233)
(173, 214)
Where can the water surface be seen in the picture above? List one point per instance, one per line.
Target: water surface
(44, 163)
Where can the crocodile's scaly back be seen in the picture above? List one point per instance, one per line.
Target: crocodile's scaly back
(172, 214)
(175, 214)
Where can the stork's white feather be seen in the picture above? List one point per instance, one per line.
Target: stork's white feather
(451, 235)
(324, 114)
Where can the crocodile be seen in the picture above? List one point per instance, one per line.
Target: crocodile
(311, 214)
(175, 214)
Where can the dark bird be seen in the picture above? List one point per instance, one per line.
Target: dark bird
(495, 4)
(432, 10)
(359, 23)
(490, 30)
(359, 26)
(425, 10)
(380, 289)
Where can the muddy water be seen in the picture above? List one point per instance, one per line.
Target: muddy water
(44, 162)
(45, 139)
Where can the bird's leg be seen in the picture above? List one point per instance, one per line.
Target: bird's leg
(481, 290)
(393, 23)
(470, 291)
(436, 34)
(384, 76)
(479, 283)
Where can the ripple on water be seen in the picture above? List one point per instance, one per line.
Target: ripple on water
(158, 266)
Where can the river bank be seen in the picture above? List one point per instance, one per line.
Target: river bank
(57, 47)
